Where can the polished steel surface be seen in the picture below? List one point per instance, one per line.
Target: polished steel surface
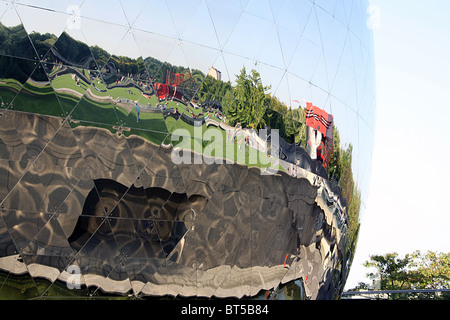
(177, 148)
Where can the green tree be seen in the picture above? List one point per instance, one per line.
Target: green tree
(391, 271)
(413, 271)
(340, 170)
(213, 90)
(298, 118)
(430, 270)
(248, 103)
(335, 166)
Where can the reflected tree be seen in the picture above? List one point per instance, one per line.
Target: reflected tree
(340, 171)
(246, 105)
(213, 90)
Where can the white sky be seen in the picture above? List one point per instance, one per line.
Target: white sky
(407, 208)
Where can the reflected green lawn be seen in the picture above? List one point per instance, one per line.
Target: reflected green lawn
(97, 109)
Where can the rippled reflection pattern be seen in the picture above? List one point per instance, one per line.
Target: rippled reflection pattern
(183, 148)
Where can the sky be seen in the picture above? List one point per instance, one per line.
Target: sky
(407, 207)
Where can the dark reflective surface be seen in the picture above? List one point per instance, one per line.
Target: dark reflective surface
(183, 152)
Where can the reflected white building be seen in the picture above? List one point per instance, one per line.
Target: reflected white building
(216, 74)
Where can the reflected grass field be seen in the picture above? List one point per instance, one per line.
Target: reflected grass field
(24, 287)
(42, 99)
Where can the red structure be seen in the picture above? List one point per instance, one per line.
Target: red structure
(321, 121)
(174, 79)
(170, 90)
(167, 92)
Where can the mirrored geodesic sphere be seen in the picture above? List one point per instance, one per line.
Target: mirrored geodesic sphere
(183, 148)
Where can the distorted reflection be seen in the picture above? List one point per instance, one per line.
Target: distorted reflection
(151, 220)
(176, 160)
